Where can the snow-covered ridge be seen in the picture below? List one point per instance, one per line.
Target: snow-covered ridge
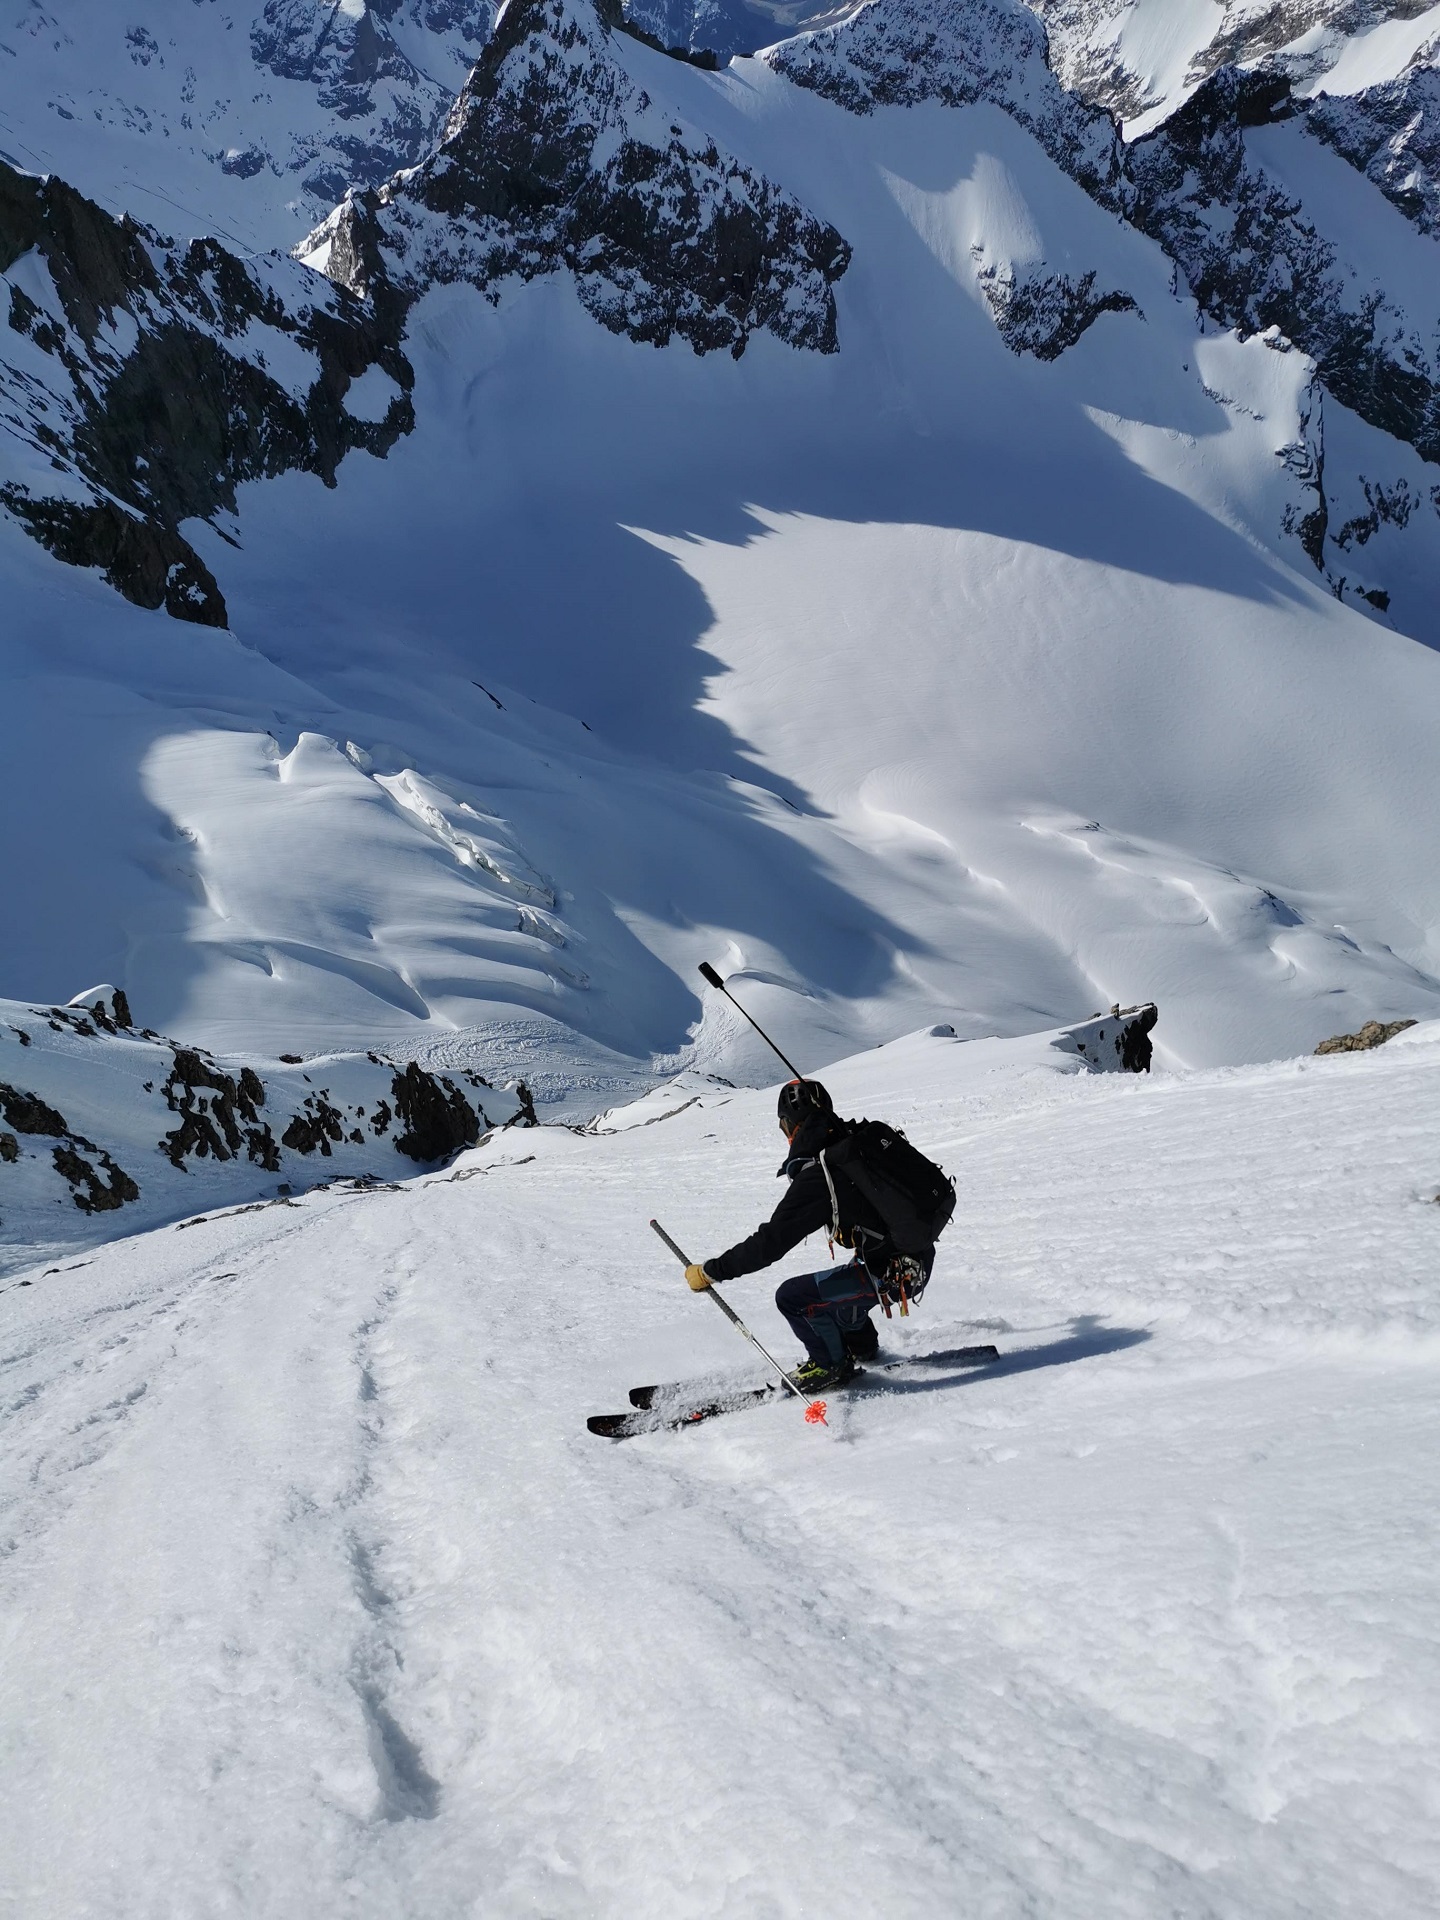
(107, 1130)
(556, 156)
(141, 382)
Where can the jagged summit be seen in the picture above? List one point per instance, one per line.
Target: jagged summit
(556, 157)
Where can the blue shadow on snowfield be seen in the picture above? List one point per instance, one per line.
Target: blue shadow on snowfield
(1087, 1340)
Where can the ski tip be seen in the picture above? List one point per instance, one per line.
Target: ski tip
(815, 1414)
(612, 1426)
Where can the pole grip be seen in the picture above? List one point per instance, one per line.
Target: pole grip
(683, 1258)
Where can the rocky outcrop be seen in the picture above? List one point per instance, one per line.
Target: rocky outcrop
(1117, 1043)
(1255, 257)
(1374, 1033)
(162, 1125)
(1302, 38)
(1044, 313)
(140, 385)
(386, 109)
(555, 159)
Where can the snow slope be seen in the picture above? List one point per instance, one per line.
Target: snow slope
(315, 1579)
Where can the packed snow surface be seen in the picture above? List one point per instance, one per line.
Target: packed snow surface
(314, 1578)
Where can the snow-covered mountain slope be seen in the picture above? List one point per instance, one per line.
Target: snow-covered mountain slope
(978, 670)
(315, 1578)
(242, 118)
(1267, 230)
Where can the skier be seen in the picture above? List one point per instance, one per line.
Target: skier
(829, 1312)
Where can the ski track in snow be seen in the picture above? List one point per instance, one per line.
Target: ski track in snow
(314, 1580)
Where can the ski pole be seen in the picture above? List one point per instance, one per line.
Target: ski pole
(814, 1409)
(708, 973)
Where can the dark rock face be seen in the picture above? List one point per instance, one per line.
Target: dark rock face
(1254, 259)
(389, 111)
(439, 1121)
(1374, 1033)
(1253, 256)
(1043, 314)
(218, 1113)
(28, 1113)
(142, 382)
(1119, 1043)
(1088, 54)
(95, 1192)
(553, 157)
(721, 28)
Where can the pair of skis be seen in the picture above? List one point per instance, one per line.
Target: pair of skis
(665, 1409)
(658, 1409)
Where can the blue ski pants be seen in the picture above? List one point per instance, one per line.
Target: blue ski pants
(823, 1307)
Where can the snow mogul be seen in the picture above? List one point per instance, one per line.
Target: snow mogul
(875, 1195)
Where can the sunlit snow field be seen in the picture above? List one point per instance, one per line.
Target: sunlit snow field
(320, 1599)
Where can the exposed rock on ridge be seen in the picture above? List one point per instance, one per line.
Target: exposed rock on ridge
(555, 157)
(138, 384)
(1392, 134)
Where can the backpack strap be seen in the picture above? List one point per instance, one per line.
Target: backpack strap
(834, 1197)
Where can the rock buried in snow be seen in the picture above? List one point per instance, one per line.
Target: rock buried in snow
(1374, 1033)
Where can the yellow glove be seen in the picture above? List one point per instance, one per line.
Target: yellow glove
(698, 1278)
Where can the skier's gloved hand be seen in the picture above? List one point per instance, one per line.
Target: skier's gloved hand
(698, 1278)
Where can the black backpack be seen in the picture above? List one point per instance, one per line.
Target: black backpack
(913, 1196)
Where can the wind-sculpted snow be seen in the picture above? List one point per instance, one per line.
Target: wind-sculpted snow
(555, 158)
(900, 52)
(140, 382)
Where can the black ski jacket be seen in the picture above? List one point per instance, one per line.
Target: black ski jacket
(806, 1207)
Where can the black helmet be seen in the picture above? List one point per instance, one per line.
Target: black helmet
(799, 1100)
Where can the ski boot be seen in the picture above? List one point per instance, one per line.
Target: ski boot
(814, 1376)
